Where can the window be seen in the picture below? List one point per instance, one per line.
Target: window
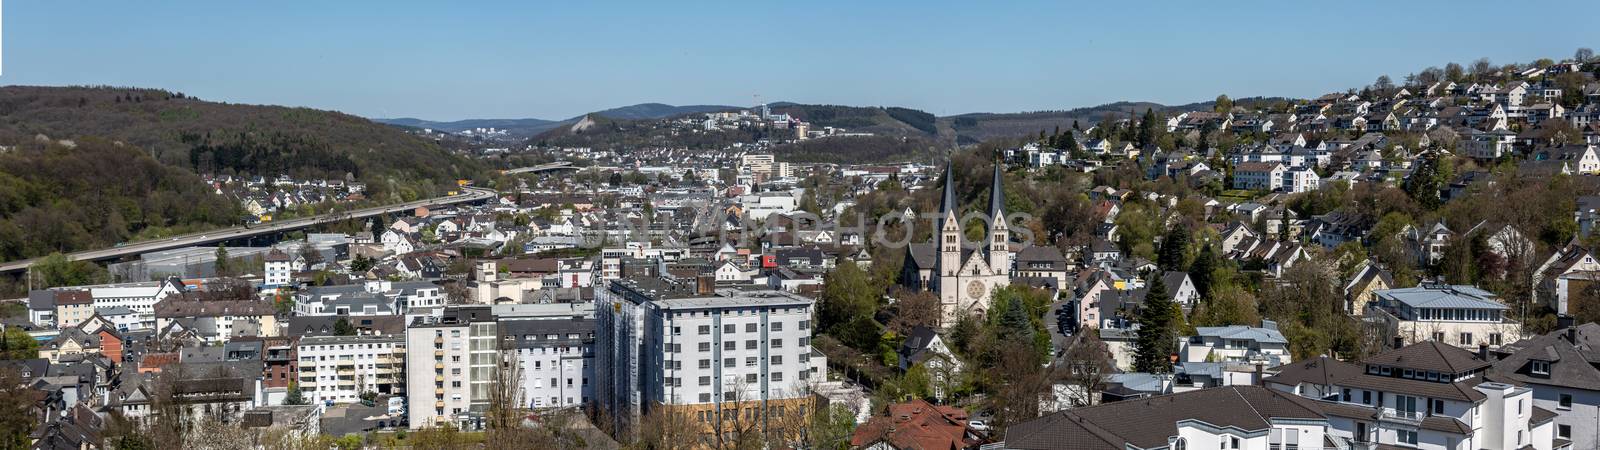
(1466, 338)
(705, 329)
(728, 329)
(1539, 367)
(705, 398)
(1407, 437)
(1438, 406)
(705, 346)
(805, 324)
(729, 362)
(750, 327)
(705, 364)
(749, 378)
(777, 376)
(1180, 444)
(1366, 397)
(777, 326)
(1438, 336)
(750, 344)
(777, 343)
(776, 360)
(730, 345)
(1494, 339)
(677, 331)
(1566, 401)
(705, 381)
(1564, 431)
(750, 361)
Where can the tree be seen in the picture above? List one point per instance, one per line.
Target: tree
(1454, 72)
(1223, 104)
(342, 327)
(223, 266)
(1384, 85)
(1088, 361)
(295, 397)
(16, 417)
(361, 264)
(56, 270)
(1583, 55)
(1149, 128)
(1174, 248)
(915, 309)
(1229, 305)
(1156, 340)
(17, 344)
(1480, 68)
(847, 294)
(1200, 273)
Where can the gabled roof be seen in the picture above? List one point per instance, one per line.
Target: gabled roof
(1569, 368)
(1148, 423)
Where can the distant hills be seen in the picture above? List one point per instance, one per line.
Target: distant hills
(891, 121)
(532, 127)
(211, 137)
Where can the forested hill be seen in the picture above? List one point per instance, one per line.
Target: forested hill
(210, 137)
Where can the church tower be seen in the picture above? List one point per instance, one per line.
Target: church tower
(949, 231)
(999, 247)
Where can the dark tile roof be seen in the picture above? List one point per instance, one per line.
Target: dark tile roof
(1430, 355)
(1568, 365)
(1148, 422)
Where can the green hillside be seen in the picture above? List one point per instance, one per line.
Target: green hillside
(211, 137)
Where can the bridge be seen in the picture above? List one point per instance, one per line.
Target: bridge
(546, 167)
(469, 195)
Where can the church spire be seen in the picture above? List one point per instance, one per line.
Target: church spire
(947, 205)
(997, 196)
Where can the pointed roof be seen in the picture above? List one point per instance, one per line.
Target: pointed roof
(997, 200)
(947, 204)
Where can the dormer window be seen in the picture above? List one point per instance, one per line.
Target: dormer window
(1537, 367)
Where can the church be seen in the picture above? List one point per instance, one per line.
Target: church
(962, 273)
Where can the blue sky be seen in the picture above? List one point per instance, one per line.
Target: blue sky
(455, 60)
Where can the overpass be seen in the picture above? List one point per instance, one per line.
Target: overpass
(469, 195)
(546, 167)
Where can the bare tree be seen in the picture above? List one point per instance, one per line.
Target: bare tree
(1088, 362)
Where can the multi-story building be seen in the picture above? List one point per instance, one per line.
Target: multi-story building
(1236, 344)
(1557, 367)
(555, 358)
(451, 364)
(277, 268)
(664, 347)
(378, 297)
(1459, 315)
(215, 320)
(1427, 395)
(341, 368)
(1257, 175)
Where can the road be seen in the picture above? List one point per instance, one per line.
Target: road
(558, 165)
(227, 234)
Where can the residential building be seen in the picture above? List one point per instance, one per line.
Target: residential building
(1427, 395)
(1232, 417)
(1258, 175)
(451, 361)
(556, 359)
(1557, 367)
(1236, 344)
(341, 368)
(678, 348)
(1459, 315)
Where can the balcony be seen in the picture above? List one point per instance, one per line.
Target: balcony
(347, 371)
(1403, 416)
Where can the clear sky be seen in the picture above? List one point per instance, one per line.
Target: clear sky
(558, 59)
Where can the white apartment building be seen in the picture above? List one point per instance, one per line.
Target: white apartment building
(377, 297)
(1428, 396)
(556, 359)
(340, 368)
(1257, 175)
(671, 345)
(1459, 315)
(450, 365)
(277, 268)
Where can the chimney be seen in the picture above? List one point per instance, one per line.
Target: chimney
(1572, 335)
(1564, 321)
(1399, 342)
(1260, 381)
(1483, 352)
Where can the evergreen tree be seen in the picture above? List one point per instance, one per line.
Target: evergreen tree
(1283, 226)
(1147, 128)
(1200, 272)
(294, 397)
(1173, 247)
(1015, 327)
(223, 267)
(1157, 340)
(343, 328)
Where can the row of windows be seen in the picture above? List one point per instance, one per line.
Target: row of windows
(743, 312)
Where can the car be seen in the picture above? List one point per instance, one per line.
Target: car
(978, 425)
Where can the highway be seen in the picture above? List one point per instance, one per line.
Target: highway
(558, 165)
(470, 194)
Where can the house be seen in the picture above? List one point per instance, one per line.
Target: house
(1232, 417)
(1359, 293)
(1181, 288)
(924, 347)
(1042, 262)
(1556, 367)
(277, 268)
(1425, 395)
(1236, 344)
(1460, 315)
(916, 425)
